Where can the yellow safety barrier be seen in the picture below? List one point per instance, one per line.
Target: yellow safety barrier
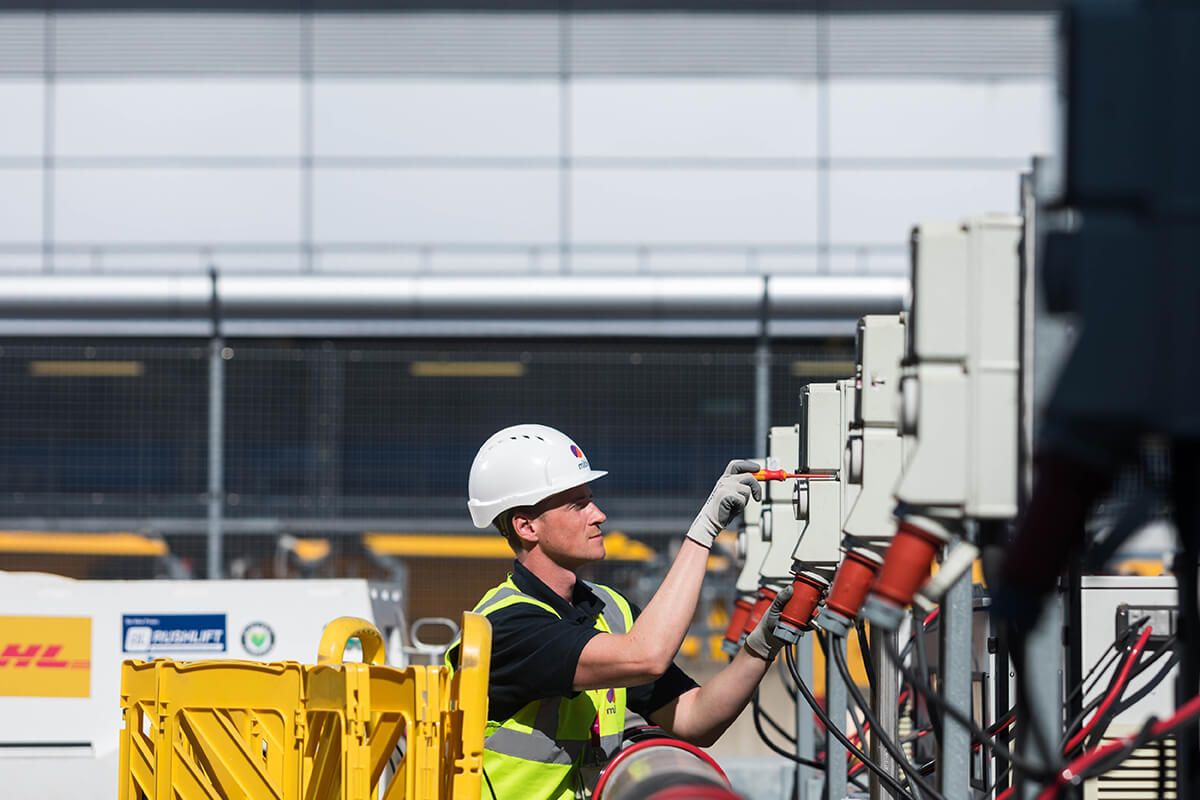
(287, 731)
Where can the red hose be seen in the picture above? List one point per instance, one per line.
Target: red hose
(1117, 689)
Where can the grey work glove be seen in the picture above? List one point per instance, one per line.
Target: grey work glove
(762, 641)
(733, 490)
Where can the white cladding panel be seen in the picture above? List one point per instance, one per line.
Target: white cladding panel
(21, 219)
(704, 206)
(694, 118)
(23, 104)
(436, 117)
(941, 118)
(168, 206)
(188, 117)
(436, 205)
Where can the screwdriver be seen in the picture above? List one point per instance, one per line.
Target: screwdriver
(783, 475)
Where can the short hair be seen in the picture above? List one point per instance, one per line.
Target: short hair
(503, 523)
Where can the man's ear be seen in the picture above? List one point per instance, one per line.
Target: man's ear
(522, 525)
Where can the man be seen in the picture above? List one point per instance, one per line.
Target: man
(568, 657)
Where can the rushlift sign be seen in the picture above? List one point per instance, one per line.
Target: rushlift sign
(174, 633)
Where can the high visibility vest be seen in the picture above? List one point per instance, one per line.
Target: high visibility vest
(539, 753)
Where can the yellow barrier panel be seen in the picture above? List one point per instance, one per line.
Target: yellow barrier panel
(210, 729)
(286, 731)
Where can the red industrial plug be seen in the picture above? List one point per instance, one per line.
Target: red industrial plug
(807, 590)
(762, 601)
(905, 569)
(850, 586)
(737, 624)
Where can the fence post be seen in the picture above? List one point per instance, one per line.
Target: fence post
(216, 436)
(762, 378)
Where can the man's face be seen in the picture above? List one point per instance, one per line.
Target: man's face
(568, 529)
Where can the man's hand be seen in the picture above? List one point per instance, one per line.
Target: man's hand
(762, 641)
(733, 490)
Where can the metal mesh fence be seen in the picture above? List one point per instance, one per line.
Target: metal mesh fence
(331, 440)
(104, 431)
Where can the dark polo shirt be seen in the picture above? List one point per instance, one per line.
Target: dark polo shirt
(534, 653)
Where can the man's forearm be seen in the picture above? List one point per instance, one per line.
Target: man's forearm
(702, 715)
(647, 650)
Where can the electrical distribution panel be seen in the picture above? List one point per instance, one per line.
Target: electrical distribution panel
(873, 450)
(826, 409)
(783, 450)
(959, 388)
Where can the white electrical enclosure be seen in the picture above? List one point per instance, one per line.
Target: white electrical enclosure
(1107, 603)
(850, 489)
(874, 449)
(784, 453)
(959, 396)
(826, 409)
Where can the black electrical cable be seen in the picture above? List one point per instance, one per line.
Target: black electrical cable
(1112, 679)
(1100, 727)
(865, 648)
(1107, 660)
(1035, 771)
(786, 680)
(1115, 646)
(1126, 702)
(858, 726)
(893, 785)
(762, 734)
(1138, 669)
(914, 775)
(935, 717)
(778, 728)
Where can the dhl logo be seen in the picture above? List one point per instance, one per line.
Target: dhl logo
(38, 656)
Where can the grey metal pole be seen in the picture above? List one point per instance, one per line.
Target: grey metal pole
(216, 452)
(216, 434)
(1046, 344)
(762, 377)
(1042, 687)
(805, 733)
(886, 701)
(762, 393)
(954, 679)
(835, 705)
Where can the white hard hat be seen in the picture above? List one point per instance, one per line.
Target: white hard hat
(523, 465)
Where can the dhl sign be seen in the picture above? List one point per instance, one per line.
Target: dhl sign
(45, 656)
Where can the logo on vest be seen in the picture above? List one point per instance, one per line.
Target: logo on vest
(611, 697)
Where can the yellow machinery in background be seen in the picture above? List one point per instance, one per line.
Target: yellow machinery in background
(241, 730)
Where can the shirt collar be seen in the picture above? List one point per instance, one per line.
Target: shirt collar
(585, 604)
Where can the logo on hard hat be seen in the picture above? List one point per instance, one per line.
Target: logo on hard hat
(583, 462)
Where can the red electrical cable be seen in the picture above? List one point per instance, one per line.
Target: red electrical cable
(1074, 770)
(1004, 795)
(1115, 692)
